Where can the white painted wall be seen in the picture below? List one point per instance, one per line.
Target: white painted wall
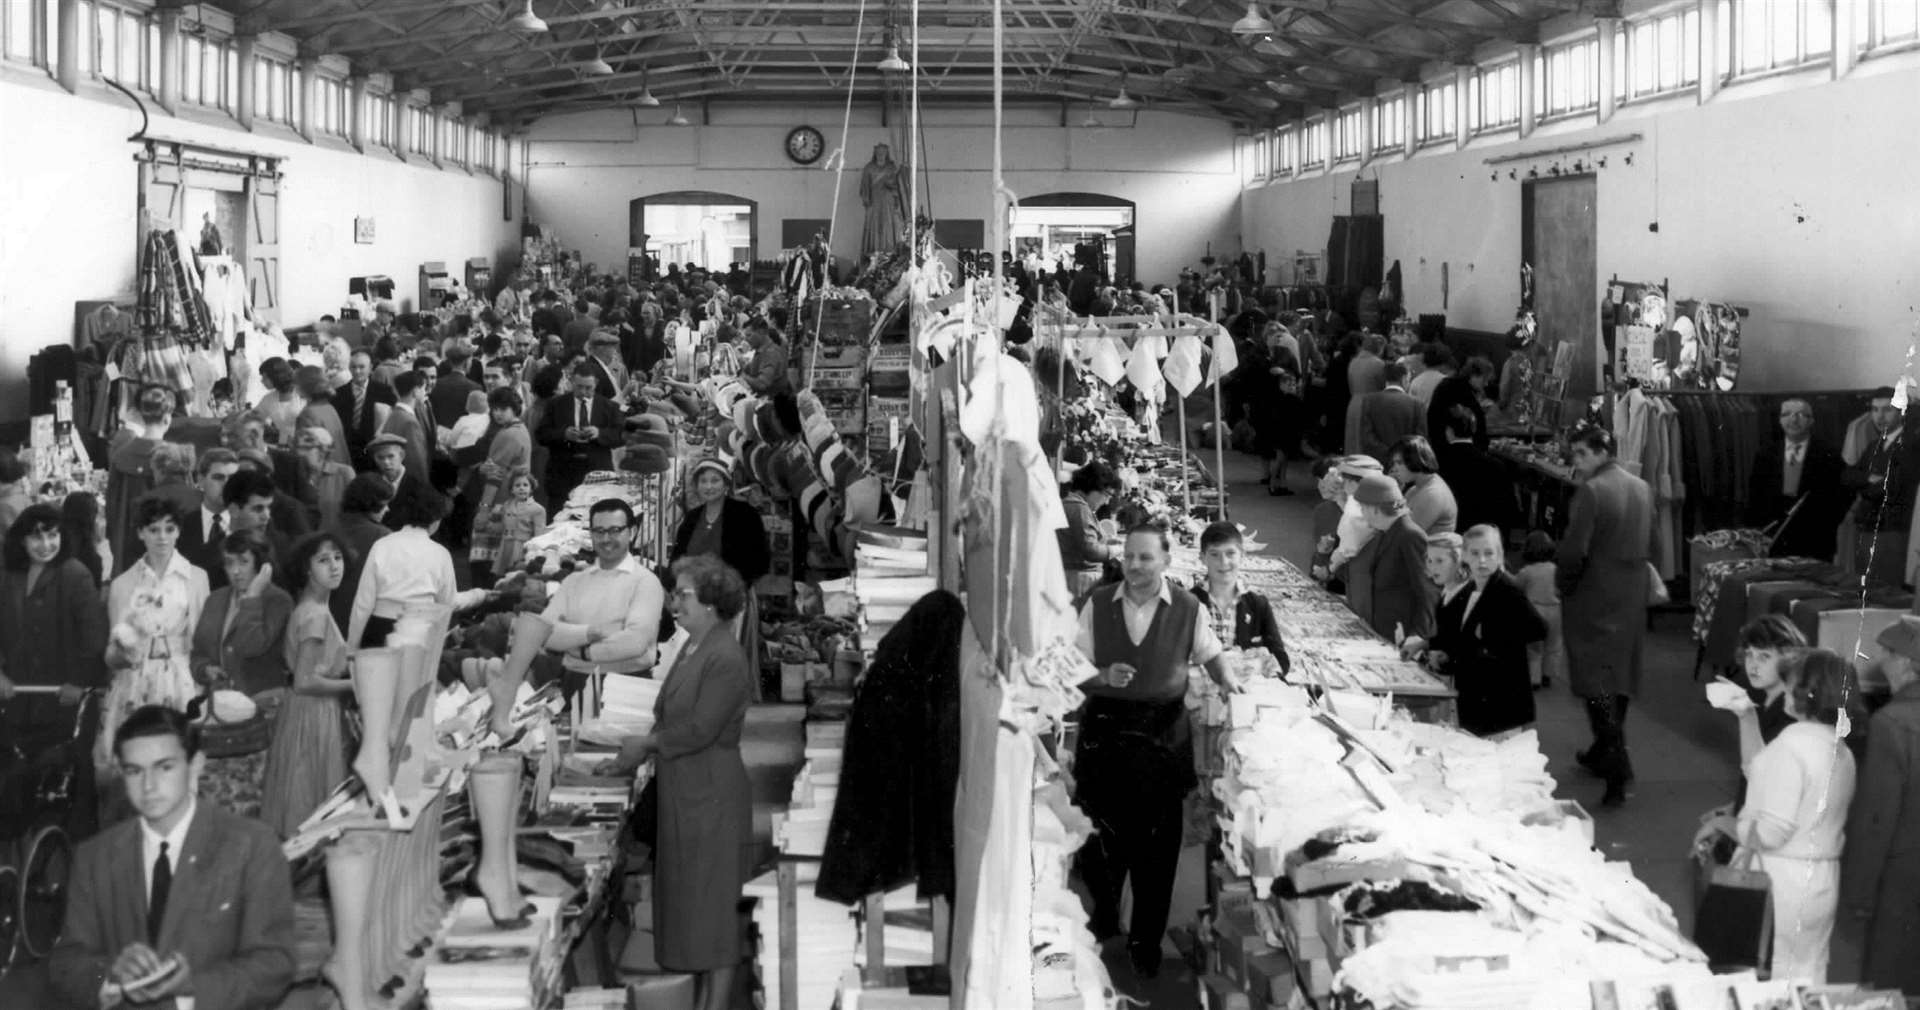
(68, 197)
(1790, 197)
(584, 168)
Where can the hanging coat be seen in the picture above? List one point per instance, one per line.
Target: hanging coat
(893, 817)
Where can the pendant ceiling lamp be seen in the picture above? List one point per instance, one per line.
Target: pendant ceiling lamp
(893, 64)
(527, 21)
(1254, 24)
(1092, 122)
(597, 67)
(678, 118)
(1122, 100)
(646, 94)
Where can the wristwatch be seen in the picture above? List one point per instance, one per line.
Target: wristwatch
(584, 658)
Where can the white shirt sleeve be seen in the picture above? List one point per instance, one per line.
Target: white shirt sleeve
(1206, 644)
(1084, 640)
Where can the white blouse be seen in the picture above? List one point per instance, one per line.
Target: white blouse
(1798, 791)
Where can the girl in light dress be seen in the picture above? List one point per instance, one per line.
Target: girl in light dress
(152, 609)
(521, 519)
(308, 756)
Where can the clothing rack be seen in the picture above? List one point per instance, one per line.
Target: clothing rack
(1722, 432)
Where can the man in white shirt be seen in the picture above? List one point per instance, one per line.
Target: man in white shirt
(603, 619)
(182, 905)
(1134, 760)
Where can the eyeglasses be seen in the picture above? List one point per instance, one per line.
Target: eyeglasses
(609, 531)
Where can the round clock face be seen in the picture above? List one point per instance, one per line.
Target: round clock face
(805, 145)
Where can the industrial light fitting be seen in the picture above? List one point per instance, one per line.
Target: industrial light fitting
(1122, 100)
(646, 95)
(893, 64)
(1255, 24)
(527, 21)
(1092, 122)
(678, 118)
(597, 67)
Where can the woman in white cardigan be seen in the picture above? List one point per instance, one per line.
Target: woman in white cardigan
(1798, 790)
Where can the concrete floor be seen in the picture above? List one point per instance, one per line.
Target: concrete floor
(1685, 753)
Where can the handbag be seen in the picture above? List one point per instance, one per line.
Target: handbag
(1657, 594)
(1733, 923)
(221, 738)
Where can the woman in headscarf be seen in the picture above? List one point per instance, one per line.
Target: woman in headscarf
(722, 526)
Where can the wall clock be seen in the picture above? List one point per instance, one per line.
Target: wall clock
(805, 145)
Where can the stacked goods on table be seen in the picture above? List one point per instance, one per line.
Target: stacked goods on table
(1408, 865)
(477, 966)
(802, 829)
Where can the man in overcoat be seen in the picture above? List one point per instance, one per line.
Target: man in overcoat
(1603, 578)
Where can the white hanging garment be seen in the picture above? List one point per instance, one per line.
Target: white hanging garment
(1105, 360)
(1183, 365)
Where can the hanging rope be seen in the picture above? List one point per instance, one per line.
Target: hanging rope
(839, 161)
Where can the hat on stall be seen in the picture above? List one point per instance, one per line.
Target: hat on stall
(1358, 467)
(1378, 489)
(716, 465)
(1901, 638)
(646, 459)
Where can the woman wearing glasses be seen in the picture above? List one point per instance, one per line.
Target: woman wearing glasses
(706, 818)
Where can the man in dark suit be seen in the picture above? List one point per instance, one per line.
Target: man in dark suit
(579, 431)
(407, 422)
(1481, 484)
(1798, 469)
(1377, 420)
(205, 528)
(1387, 584)
(1885, 481)
(389, 454)
(610, 375)
(1602, 574)
(194, 898)
(452, 386)
(357, 403)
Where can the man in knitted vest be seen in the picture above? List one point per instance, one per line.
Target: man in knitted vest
(1134, 762)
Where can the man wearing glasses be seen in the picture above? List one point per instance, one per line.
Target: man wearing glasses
(1798, 469)
(603, 619)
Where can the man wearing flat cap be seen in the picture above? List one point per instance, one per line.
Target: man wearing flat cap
(389, 455)
(610, 375)
(1387, 584)
(1880, 868)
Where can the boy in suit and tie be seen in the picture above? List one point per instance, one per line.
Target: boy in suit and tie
(183, 906)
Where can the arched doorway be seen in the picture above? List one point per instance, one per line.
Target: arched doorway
(1052, 225)
(711, 230)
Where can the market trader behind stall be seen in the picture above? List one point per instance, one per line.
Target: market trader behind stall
(1134, 761)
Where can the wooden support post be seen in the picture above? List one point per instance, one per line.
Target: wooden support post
(942, 931)
(874, 907)
(788, 876)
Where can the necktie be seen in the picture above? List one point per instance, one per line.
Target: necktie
(219, 528)
(157, 900)
(580, 412)
(359, 402)
(1790, 474)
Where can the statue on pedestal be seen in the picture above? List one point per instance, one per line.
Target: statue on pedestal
(883, 191)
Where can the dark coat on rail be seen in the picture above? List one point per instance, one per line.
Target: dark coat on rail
(1602, 574)
(893, 817)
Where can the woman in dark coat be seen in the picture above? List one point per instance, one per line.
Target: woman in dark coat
(705, 830)
(720, 526)
(1602, 574)
(53, 633)
(1480, 640)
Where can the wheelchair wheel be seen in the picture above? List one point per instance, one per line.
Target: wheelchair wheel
(9, 915)
(43, 889)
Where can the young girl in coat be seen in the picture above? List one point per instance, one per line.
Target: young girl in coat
(1545, 659)
(520, 518)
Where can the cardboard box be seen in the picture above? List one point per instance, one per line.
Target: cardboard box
(1270, 979)
(662, 991)
(1220, 993)
(1238, 939)
(1300, 926)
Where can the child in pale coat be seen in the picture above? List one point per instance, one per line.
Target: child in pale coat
(1546, 659)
